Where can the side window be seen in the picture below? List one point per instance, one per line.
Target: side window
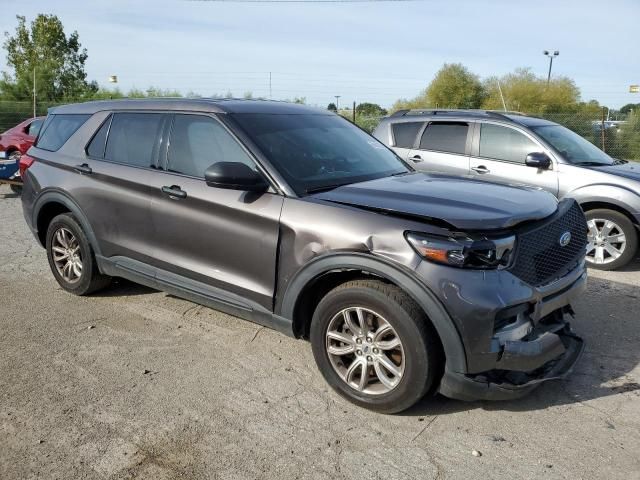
(504, 143)
(59, 129)
(34, 127)
(405, 134)
(98, 142)
(197, 142)
(449, 137)
(133, 138)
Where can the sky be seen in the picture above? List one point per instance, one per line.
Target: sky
(363, 51)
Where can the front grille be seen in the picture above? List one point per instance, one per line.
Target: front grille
(539, 257)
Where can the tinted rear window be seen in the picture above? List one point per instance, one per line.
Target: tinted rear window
(134, 138)
(405, 134)
(59, 129)
(445, 137)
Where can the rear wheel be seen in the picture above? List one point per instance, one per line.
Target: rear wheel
(374, 345)
(71, 257)
(613, 239)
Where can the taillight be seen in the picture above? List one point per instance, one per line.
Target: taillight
(25, 162)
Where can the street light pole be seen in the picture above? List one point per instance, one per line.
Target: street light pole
(337, 106)
(551, 57)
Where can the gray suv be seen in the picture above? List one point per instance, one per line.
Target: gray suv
(517, 149)
(295, 219)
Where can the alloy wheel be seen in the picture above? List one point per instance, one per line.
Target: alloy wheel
(66, 255)
(607, 241)
(365, 350)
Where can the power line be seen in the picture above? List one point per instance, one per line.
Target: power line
(308, 1)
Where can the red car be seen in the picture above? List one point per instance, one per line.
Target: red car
(13, 144)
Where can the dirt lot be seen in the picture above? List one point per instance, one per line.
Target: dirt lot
(133, 383)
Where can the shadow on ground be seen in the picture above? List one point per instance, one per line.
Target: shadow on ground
(606, 318)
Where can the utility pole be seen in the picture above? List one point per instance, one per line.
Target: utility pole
(602, 125)
(354, 112)
(551, 57)
(270, 93)
(34, 92)
(504, 105)
(337, 106)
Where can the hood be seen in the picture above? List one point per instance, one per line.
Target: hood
(463, 204)
(629, 170)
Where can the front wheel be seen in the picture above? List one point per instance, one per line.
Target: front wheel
(613, 239)
(375, 346)
(17, 189)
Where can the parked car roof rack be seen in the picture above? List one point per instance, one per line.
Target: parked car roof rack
(451, 111)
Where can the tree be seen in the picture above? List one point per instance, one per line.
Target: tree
(525, 92)
(332, 107)
(370, 110)
(629, 107)
(58, 62)
(630, 132)
(454, 86)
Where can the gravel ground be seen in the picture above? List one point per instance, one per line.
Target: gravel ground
(134, 383)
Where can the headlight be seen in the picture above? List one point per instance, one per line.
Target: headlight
(463, 251)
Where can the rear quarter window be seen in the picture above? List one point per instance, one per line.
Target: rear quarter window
(58, 130)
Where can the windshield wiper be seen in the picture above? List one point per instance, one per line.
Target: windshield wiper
(325, 188)
(592, 164)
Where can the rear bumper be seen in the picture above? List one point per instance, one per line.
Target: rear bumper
(511, 384)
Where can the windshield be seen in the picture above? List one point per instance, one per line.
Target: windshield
(572, 146)
(316, 152)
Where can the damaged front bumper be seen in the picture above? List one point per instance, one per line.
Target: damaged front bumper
(548, 352)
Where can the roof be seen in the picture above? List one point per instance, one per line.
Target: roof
(460, 114)
(214, 105)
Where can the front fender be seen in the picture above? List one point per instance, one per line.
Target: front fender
(449, 336)
(621, 196)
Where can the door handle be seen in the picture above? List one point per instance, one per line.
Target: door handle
(84, 168)
(481, 169)
(416, 158)
(174, 191)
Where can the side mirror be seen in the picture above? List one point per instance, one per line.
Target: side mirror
(234, 176)
(538, 160)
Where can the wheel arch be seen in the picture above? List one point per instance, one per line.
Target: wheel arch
(309, 285)
(611, 197)
(594, 205)
(52, 203)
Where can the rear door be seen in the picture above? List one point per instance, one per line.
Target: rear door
(499, 155)
(443, 147)
(404, 137)
(116, 194)
(224, 238)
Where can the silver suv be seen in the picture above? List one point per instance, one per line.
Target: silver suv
(517, 149)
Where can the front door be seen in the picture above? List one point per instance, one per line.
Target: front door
(500, 153)
(224, 238)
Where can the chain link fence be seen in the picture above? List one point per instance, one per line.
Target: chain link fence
(619, 137)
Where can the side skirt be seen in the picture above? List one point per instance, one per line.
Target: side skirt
(194, 291)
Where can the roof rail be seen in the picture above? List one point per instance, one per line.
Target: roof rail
(453, 111)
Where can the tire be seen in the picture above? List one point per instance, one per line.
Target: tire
(599, 250)
(419, 358)
(17, 189)
(89, 279)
